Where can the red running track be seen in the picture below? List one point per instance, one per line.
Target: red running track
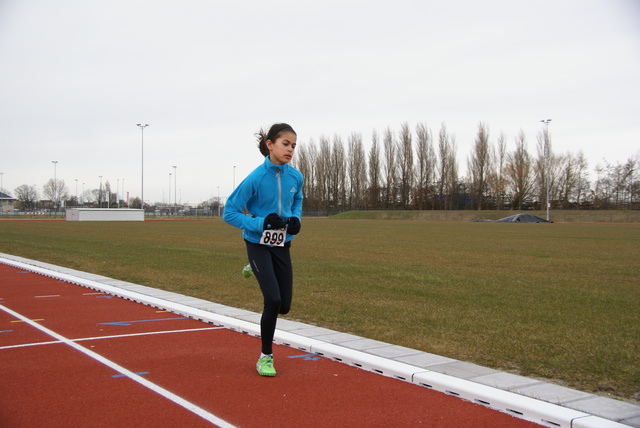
(73, 357)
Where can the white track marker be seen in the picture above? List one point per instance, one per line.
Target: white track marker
(152, 386)
(117, 336)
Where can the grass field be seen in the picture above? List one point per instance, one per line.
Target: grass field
(559, 302)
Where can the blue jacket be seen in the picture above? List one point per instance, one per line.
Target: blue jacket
(268, 189)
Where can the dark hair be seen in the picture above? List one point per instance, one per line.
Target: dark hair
(273, 134)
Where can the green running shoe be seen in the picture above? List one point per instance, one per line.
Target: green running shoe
(265, 366)
(246, 271)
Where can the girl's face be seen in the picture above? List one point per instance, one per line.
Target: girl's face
(281, 150)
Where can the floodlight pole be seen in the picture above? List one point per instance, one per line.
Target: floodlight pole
(142, 169)
(547, 155)
(55, 184)
(175, 187)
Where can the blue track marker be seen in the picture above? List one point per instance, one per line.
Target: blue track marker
(307, 357)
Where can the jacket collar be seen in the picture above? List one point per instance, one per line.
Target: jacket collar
(273, 168)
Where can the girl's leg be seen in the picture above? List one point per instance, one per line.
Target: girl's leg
(262, 263)
(284, 274)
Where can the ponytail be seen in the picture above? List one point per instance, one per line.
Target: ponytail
(273, 134)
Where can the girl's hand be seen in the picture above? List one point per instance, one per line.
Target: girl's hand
(294, 225)
(273, 221)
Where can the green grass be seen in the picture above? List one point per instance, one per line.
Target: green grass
(558, 216)
(559, 302)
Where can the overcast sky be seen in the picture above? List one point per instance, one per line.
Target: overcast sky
(76, 76)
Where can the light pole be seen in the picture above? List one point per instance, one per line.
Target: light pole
(234, 177)
(76, 191)
(55, 184)
(142, 169)
(100, 193)
(175, 186)
(547, 155)
(169, 204)
(1, 183)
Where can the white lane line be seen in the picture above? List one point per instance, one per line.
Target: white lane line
(144, 382)
(43, 297)
(82, 339)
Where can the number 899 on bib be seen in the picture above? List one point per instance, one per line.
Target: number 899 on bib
(274, 237)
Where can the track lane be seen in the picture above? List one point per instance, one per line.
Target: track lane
(213, 369)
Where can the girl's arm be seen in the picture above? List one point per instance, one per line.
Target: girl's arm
(296, 208)
(233, 210)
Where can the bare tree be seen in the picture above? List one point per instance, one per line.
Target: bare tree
(56, 191)
(547, 170)
(405, 165)
(305, 162)
(496, 177)
(616, 186)
(27, 196)
(374, 172)
(582, 179)
(624, 195)
(425, 165)
(338, 174)
(452, 180)
(478, 166)
(135, 202)
(448, 168)
(571, 179)
(389, 168)
(519, 172)
(357, 172)
(323, 168)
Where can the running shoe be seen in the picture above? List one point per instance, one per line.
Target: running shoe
(265, 366)
(246, 271)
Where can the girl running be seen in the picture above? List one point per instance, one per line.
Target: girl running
(271, 195)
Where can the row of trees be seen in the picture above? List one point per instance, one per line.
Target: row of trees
(414, 170)
(56, 194)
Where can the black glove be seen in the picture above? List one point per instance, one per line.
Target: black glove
(273, 221)
(294, 225)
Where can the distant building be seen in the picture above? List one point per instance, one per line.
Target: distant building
(6, 202)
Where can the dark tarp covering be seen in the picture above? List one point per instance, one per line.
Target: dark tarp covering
(520, 218)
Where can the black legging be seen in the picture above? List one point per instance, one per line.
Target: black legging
(272, 268)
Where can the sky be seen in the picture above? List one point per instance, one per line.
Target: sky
(76, 77)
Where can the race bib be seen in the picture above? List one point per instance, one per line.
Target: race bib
(274, 238)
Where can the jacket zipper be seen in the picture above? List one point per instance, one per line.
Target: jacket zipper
(279, 194)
